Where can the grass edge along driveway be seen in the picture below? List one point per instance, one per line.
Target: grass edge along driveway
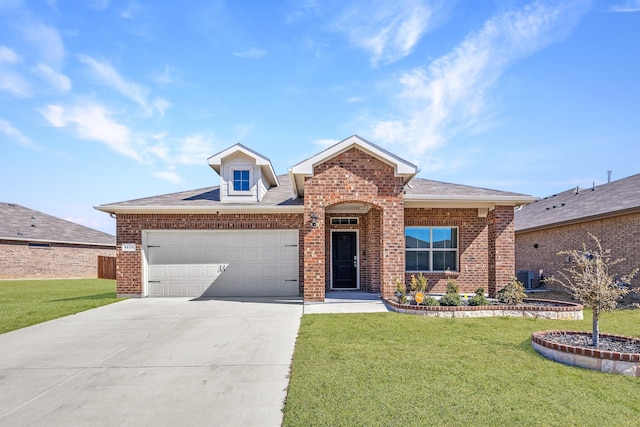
(392, 369)
(28, 302)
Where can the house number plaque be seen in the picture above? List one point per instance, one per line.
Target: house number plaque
(128, 247)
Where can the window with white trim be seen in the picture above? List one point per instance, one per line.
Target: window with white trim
(241, 180)
(431, 248)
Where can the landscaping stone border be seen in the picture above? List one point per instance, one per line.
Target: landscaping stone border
(599, 360)
(562, 310)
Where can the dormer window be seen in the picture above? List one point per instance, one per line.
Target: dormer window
(241, 180)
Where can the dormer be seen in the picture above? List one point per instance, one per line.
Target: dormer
(245, 176)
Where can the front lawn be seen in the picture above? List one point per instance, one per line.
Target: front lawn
(27, 302)
(388, 369)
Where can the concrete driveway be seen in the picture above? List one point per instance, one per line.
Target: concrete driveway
(152, 362)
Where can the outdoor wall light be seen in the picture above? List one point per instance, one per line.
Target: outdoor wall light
(314, 219)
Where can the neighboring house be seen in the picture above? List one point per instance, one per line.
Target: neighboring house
(562, 221)
(353, 217)
(34, 245)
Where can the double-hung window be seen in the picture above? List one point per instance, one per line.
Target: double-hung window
(240, 180)
(431, 248)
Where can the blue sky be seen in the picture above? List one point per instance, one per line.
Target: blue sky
(104, 101)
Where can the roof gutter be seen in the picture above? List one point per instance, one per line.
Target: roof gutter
(23, 239)
(498, 200)
(201, 210)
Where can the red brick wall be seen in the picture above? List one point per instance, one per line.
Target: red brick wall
(501, 248)
(621, 234)
(473, 254)
(59, 261)
(130, 226)
(353, 176)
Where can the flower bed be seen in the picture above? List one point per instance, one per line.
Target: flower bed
(533, 308)
(618, 362)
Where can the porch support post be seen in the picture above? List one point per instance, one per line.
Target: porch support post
(314, 251)
(501, 248)
(392, 243)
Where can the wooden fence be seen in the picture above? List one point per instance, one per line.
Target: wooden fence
(106, 267)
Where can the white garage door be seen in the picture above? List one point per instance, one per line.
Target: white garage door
(222, 263)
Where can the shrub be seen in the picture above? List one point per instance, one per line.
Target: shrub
(452, 297)
(452, 287)
(418, 283)
(513, 293)
(401, 291)
(479, 298)
(430, 301)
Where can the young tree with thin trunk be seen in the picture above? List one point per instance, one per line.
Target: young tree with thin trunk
(590, 281)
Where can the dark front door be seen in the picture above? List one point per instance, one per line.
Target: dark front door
(344, 260)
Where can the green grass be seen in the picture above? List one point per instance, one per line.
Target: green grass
(27, 302)
(388, 369)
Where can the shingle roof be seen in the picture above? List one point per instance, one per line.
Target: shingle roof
(209, 198)
(581, 204)
(427, 187)
(20, 223)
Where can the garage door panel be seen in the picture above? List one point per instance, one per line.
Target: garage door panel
(223, 263)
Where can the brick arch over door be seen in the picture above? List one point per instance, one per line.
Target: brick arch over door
(353, 177)
(369, 248)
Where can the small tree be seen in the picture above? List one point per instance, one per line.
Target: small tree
(590, 281)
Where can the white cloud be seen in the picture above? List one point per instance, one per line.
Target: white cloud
(451, 95)
(627, 6)
(169, 175)
(59, 81)
(388, 30)
(252, 53)
(193, 150)
(354, 99)
(8, 56)
(47, 41)
(164, 78)
(14, 133)
(14, 84)
(190, 150)
(108, 75)
(161, 105)
(93, 122)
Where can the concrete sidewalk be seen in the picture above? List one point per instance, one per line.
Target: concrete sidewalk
(152, 362)
(347, 302)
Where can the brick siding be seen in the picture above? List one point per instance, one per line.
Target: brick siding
(621, 234)
(354, 176)
(58, 261)
(473, 246)
(130, 228)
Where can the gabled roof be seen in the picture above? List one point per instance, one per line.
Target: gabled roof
(304, 169)
(24, 224)
(579, 204)
(268, 173)
(207, 200)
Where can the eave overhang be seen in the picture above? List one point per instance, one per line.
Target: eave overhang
(219, 209)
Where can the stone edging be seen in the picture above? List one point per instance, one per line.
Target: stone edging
(599, 360)
(563, 310)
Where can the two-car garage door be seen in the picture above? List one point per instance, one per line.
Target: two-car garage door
(222, 263)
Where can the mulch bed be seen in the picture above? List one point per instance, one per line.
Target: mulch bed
(631, 345)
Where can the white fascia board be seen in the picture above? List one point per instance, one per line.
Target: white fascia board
(223, 208)
(66, 242)
(469, 201)
(401, 167)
